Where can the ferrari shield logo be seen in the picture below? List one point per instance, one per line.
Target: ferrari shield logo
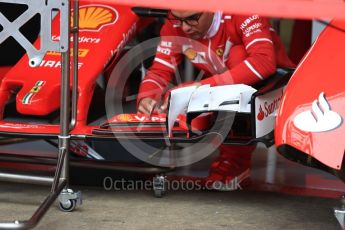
(220, 52)
(34, 90)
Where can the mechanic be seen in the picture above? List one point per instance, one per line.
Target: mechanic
(230, 49)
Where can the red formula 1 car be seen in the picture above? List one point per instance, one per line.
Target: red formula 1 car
(310, 124)
(34, 102)
(30, 97)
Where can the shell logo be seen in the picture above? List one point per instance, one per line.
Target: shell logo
(95, 17)
(123, 118)
(190, 53)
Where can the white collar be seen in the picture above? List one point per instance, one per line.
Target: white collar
(215, 25)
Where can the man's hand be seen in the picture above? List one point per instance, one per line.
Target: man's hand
(164, 107)
(147, 106)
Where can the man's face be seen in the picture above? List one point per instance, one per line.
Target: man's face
(194, 24)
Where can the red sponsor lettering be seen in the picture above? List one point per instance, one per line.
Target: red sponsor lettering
(268, 108)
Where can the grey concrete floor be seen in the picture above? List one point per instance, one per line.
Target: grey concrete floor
(177, 210)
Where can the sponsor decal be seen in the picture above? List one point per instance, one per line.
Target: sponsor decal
(165, 51)
(320, 118)
(19, 125)
(82, 39)
(123, 118)
(266, 107)
(95, 17)
(55, 64)
(148, 119)
(81, 52)
(193, 55)
(79, 148)
(34, 90)
(269, 108)
(261, 114)
(253, 32)
(124, 41)
(166, 44)
(248, 21)
(190, 53)
(138, 118)
(252, 29)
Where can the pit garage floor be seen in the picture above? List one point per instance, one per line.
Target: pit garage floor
(297, 198)
(177, 210)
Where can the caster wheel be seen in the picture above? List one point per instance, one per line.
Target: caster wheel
(158, 193)
(159, 186)
(69, 206)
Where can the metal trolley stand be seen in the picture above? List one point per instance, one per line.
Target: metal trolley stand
(68, 200)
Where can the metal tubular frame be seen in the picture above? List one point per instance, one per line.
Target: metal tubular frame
(75, 31)
(28, 179)
(39, 213)
(45, 9)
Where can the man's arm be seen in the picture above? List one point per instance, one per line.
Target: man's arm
(159, 75)
(259, 60)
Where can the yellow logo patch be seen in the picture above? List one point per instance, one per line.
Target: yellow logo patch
(94, 17)
(220, 52)
(190, 53)
(35, 89)
(81, 52)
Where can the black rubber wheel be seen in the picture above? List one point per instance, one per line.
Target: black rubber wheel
(68, 207)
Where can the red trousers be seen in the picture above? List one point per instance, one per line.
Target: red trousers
(239, 157)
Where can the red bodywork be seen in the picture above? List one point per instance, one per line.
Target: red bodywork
(313, 76)
(104, 31)
(38, 89)
(321, 70)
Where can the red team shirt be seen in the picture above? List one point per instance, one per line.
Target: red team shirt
(236, 49)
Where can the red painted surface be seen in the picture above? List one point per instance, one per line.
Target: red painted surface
(321, 70)
(104, 31)
(274, 8)
(4, 70)
(322, 64)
